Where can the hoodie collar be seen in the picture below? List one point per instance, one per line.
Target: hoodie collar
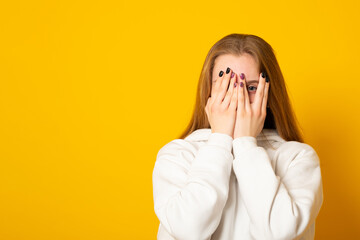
(203, 134)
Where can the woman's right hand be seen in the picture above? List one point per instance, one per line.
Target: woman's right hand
(221, 105)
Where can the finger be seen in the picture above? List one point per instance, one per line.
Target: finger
(216, 83)
(246, 96)
(259, 92)
(230, 91)
(241, 95)
(224, 83)
(234, 97)
(265, 98)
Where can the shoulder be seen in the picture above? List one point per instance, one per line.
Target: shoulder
(294, 150)
(176, 146)
(298, 146)
(295, 159)
(173, 161)
(178, 151)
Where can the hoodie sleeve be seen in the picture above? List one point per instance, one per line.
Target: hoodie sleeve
(279, 207)
(190, 188)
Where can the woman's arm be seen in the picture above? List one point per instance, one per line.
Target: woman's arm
(279, 207)
(190, 191)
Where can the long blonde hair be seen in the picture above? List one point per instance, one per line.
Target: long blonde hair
(280, 114)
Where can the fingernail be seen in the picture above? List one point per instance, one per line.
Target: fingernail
(221, 73)
(227, 70)
(263, 74)
(241, 84)
(232, 75)
(267, 79)
(234, 84)
(242, 76)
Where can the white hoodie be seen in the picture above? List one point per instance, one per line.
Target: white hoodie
(211, 186)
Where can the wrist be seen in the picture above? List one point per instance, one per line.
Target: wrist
(221, 139)
(223, 132)
(243, 144)
(243, 135)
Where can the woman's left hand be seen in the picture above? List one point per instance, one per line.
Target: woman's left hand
(250, 118)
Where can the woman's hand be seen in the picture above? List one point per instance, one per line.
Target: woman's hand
(250, 118)
(221, 105)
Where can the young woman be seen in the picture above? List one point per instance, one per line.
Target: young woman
(241, 169)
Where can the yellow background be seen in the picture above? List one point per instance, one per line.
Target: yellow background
(90, 91)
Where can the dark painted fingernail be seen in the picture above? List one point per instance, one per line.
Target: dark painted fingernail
(227, 70)
(267, 79)
(263, 74)
(232, 75)
(241, 84)
(221, 73)
(242, 76)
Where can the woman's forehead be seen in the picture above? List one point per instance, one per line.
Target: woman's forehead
(239, 64)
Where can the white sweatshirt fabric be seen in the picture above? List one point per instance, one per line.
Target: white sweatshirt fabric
(211, 186)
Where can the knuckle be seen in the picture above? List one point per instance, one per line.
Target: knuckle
(222, 107)
(221, 88)
(215, 109)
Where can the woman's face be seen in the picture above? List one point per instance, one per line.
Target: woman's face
(239, 64)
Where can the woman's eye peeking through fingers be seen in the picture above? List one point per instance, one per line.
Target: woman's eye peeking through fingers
(252, 88)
